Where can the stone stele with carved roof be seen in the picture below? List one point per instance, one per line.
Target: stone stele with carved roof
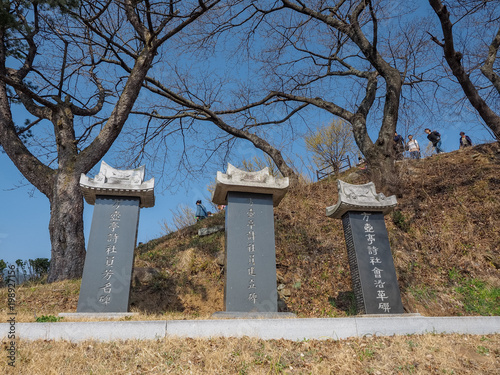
(360, 198)
(260, 182)
(114, 182)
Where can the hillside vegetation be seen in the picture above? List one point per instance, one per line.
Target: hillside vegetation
(445, 239)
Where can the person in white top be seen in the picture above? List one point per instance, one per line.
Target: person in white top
(413, 147)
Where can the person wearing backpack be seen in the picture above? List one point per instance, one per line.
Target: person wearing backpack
(435, 139)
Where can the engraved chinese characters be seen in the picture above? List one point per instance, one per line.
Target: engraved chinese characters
(111, 250)
(373, 273)
(252, 296)
(372, 268)
(250, 254)
(110, 255)
(107, 272)
(250, 259)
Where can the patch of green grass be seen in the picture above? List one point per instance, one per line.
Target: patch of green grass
(48, 318)
(277, 367)
(411, 344)
(260, 358)
(365, 353)
(352, 308)
(477, 296)
(423, 293)
(483, 350)
(209, 244)
(453, 274)
(400, 220)
(408, 368)
(244, 369)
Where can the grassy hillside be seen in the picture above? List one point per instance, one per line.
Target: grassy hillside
(445, 238)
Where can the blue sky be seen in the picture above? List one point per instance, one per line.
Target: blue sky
(24, 218)
(24, 212)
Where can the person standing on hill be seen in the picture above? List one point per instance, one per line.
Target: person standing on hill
(465, 141)
(435, 139)
(413, 147)
(399, 146)
(201, 211)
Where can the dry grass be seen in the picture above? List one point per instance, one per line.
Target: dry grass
(414, 354)
(35, 300)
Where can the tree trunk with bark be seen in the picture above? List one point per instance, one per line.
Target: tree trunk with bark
(379, 156)
(66, 228)
(85, 52)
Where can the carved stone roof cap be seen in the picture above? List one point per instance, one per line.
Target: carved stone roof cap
(260, 182)
(360, 198)
(111, 181)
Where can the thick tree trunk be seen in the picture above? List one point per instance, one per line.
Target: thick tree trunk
(66, 228)
(280, 162)
(379, 157)
(383, 174)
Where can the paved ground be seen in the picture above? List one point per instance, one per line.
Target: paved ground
(291, 329)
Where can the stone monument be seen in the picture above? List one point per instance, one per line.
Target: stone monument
(373, 273)
(117, 196)
(250, 258)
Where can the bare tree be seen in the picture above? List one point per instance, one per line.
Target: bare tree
(334, 56)
(312, 55)
(331, 144)
(489, 66)
(59, 63)
(181, 111)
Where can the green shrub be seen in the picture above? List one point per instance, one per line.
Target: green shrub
(400, 221)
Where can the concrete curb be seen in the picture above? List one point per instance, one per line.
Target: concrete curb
(267, 329)
(100, 331)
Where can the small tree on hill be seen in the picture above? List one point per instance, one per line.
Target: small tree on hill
(331, 144)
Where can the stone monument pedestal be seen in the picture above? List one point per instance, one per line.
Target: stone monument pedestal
(250, 258)
(373, 274)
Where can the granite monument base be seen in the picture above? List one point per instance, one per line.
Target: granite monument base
(252, 315)
(100, 316)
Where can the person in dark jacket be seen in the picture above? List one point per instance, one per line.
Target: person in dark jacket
(465, 141)
(399, 146)
(435, 139)
(201, 211)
